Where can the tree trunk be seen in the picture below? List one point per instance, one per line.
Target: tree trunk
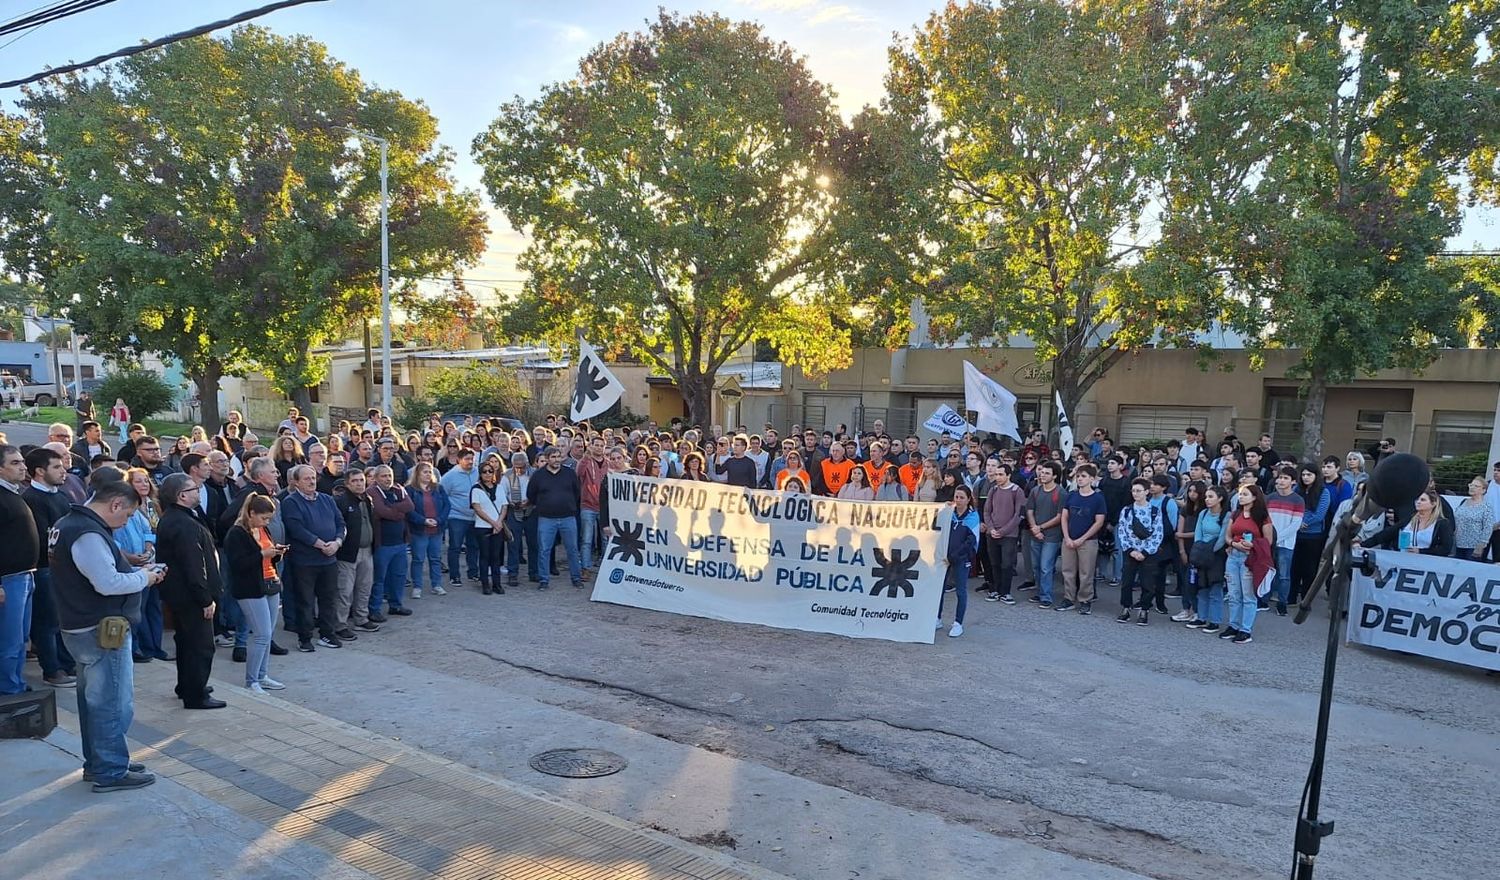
(1312, 416)
(697, 392)
(207, 381)
(302, 399)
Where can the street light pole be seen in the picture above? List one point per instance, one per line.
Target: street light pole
(387, 405)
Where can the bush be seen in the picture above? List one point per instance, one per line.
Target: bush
(473, 388)
(1453, 474)
(143, 391)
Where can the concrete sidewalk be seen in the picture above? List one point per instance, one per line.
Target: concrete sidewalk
(266, 789)
(53, 826)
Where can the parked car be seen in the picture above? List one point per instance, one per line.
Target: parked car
(72, 389)
(505, 422)
(15, 391)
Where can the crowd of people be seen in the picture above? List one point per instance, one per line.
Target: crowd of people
(335, 535)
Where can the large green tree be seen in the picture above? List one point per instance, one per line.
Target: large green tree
(681, 195)
(1044, 122)
(1323, 153)
(213, 206)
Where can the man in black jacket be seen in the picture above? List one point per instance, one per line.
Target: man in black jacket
(18, 555)
(556, 496)
(191, 588)
(48, 504)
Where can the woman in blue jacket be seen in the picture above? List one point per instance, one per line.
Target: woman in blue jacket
(963, 544)
(1317, 501)
(428, 518)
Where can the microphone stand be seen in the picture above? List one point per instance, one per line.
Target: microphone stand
(1335, 571)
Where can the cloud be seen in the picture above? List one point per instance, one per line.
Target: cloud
(837, 12)
(564, 32)
(779, 5)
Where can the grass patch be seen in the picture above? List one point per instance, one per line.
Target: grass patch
(45, 415)
(159, 428)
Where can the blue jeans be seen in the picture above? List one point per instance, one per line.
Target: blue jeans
(260, 619)
(229, 615)
(958, 576)
(106, 702)
(390, 576)
(1044, 566)
(1239, 591)
(461, 534)
(549, 529)
(429, 548)
(1210, 600)
(590, 520)
(46, 638)
(146, 635)
(1284, 573)
(521, 530)
(291, 601)
(15, 627)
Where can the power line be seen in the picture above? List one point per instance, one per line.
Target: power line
(56, 12)
(20, 15)
(157, 44)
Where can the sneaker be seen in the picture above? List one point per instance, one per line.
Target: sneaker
(1086, 608)
(133, 767)
(61, 680)
(1183, 616)
(956, 631)
(1114, 582)
(1210, 628)
(277, 650)
(1143, 618)
(1029, 585)
(238, 655)
(1281, 609)
(377, 617)
(130, 780)
(455, 583)
(416, 593)
(939, 623)
(271, 684)
(1064, 605)
(1195, 623)
(437, 590)
(1035, 600)
(1045, 603)
(399, 612)
(578, 585)
(1161, 607)
(306, 646)
(255, 688)
(328, 642)
(347, 635)
(368, 627)
(1124, 616)
(222, 641)
(1008, 599)
(992, 597)
(1229, 633)
(1243, 639)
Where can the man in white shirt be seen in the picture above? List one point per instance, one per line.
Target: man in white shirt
(1192, 444)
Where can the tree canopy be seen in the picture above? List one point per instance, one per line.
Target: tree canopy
(681, 196)
(217, 210)
(1320, 158)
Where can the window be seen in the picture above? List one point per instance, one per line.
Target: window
(88, 371)
(1139, 423)
(67, 372)
(1456, 433)
(1369, 427)
(1284, 423)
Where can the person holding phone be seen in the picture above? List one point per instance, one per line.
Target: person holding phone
(1249, 563)
(251, 554)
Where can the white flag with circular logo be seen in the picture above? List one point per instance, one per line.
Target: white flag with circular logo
(993, 405)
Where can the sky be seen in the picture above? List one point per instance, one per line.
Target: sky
(464, 58)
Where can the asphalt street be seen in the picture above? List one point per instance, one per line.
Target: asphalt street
(1158, 750)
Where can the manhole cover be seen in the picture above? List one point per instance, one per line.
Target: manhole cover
(578, 763)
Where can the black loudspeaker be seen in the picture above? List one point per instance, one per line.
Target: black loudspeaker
(31, 715)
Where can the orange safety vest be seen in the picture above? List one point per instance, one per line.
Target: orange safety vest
(835, 474)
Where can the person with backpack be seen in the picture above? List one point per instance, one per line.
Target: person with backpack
(963, 543)
(1138, 533)
(1207, 556)
(1167, 557)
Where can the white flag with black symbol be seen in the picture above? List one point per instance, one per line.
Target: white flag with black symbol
(1064, 430)
(595, 389)
(992, 403)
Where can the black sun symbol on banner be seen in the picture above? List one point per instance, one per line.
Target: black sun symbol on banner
(895, 574)
(627, 544)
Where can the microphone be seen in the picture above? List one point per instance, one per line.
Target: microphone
(1395, 482)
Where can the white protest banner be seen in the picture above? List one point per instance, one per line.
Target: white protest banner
(1436, 606)
(855, 568)
(993, 405)
(595, 388)
(947, 420)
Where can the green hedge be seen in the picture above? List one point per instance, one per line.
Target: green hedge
(143, 391)
(1453, 474)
